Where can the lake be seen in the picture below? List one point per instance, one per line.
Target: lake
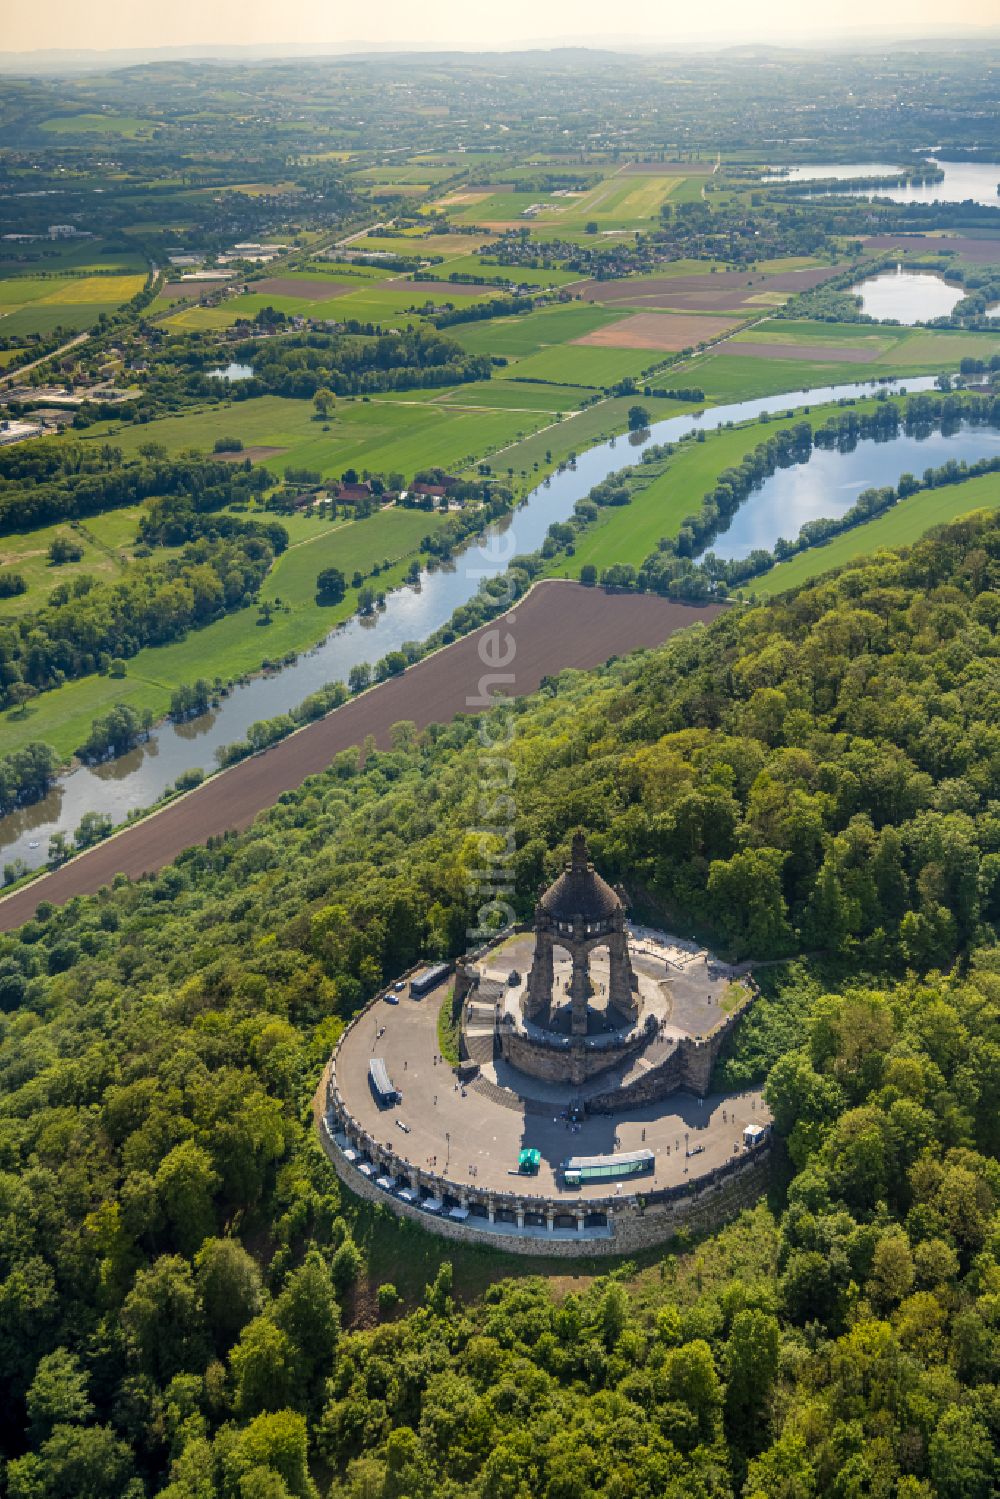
(829, 484)
(963, 180)
(908, 296)
(138, 778)
(838, 172)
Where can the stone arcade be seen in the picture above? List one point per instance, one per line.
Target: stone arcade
(580, 912)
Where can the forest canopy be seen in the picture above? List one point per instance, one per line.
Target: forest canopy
(812, 781)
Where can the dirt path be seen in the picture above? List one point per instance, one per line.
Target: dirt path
(558, 624)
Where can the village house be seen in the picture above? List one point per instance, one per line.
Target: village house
(350, 494)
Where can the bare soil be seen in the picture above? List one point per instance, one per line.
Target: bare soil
(434, 289)
(980, 251)
(667, 169)
(310, 291)
(257, 454)
(726, 291)
(825, 353)
(556, 625)
(659, 330)
(190, 291)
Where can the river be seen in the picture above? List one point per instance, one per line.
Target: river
(139, 778)
(830, 482)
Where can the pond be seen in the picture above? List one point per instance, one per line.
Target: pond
(232, 372)
(963, 180)
(908, 296)
(830, 482)
(138, 778)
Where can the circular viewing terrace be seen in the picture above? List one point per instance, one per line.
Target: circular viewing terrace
(491, 1149)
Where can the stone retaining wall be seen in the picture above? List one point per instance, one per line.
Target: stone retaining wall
(552, 1063)
(634, 1225)
(689, 1066)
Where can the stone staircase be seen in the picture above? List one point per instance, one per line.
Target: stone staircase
(508, 1100)
(479, 1043)
(650, 1076)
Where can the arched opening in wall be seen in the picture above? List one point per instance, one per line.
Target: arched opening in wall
(602, 1019)
(534, 1220)
(565, 1220)
(596, 1220)
(505, 1215)
(477, 1210)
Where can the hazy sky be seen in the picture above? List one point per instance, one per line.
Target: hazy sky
(463, 23)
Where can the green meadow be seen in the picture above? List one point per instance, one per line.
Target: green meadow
(237, 644)
(904, 524)
(630, 532)
(518, 395)
(106, 541)
(478, 265)
(398, 435)
(130, 127)
(581, 364)
(527, 333)
(540, 453)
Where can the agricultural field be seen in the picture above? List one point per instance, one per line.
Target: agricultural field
(419, 242)
(350, 272)
(745, 292)
(129, 127)
(385, 434)
(199, 319)
(421, 173)
(576, 364)
(523, 334)
(338, 292)
(668, 332)
(860, 343)
(622, 200)
(515, 395)
(904, 524)
(39, 304)
(779, 356)
(480, 265)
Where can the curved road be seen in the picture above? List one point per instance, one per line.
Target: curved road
(556, 625)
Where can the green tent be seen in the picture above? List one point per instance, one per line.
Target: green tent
(528, 1161)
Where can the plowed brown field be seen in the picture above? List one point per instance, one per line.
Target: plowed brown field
(556, 625)
(659, 330)
(727, 291)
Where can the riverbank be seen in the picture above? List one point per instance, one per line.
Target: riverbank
(558, 625)
(411, 617)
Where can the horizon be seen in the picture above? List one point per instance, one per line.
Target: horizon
(305, 28)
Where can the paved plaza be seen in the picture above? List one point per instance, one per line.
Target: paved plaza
(680, 984)
(472, 1135)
